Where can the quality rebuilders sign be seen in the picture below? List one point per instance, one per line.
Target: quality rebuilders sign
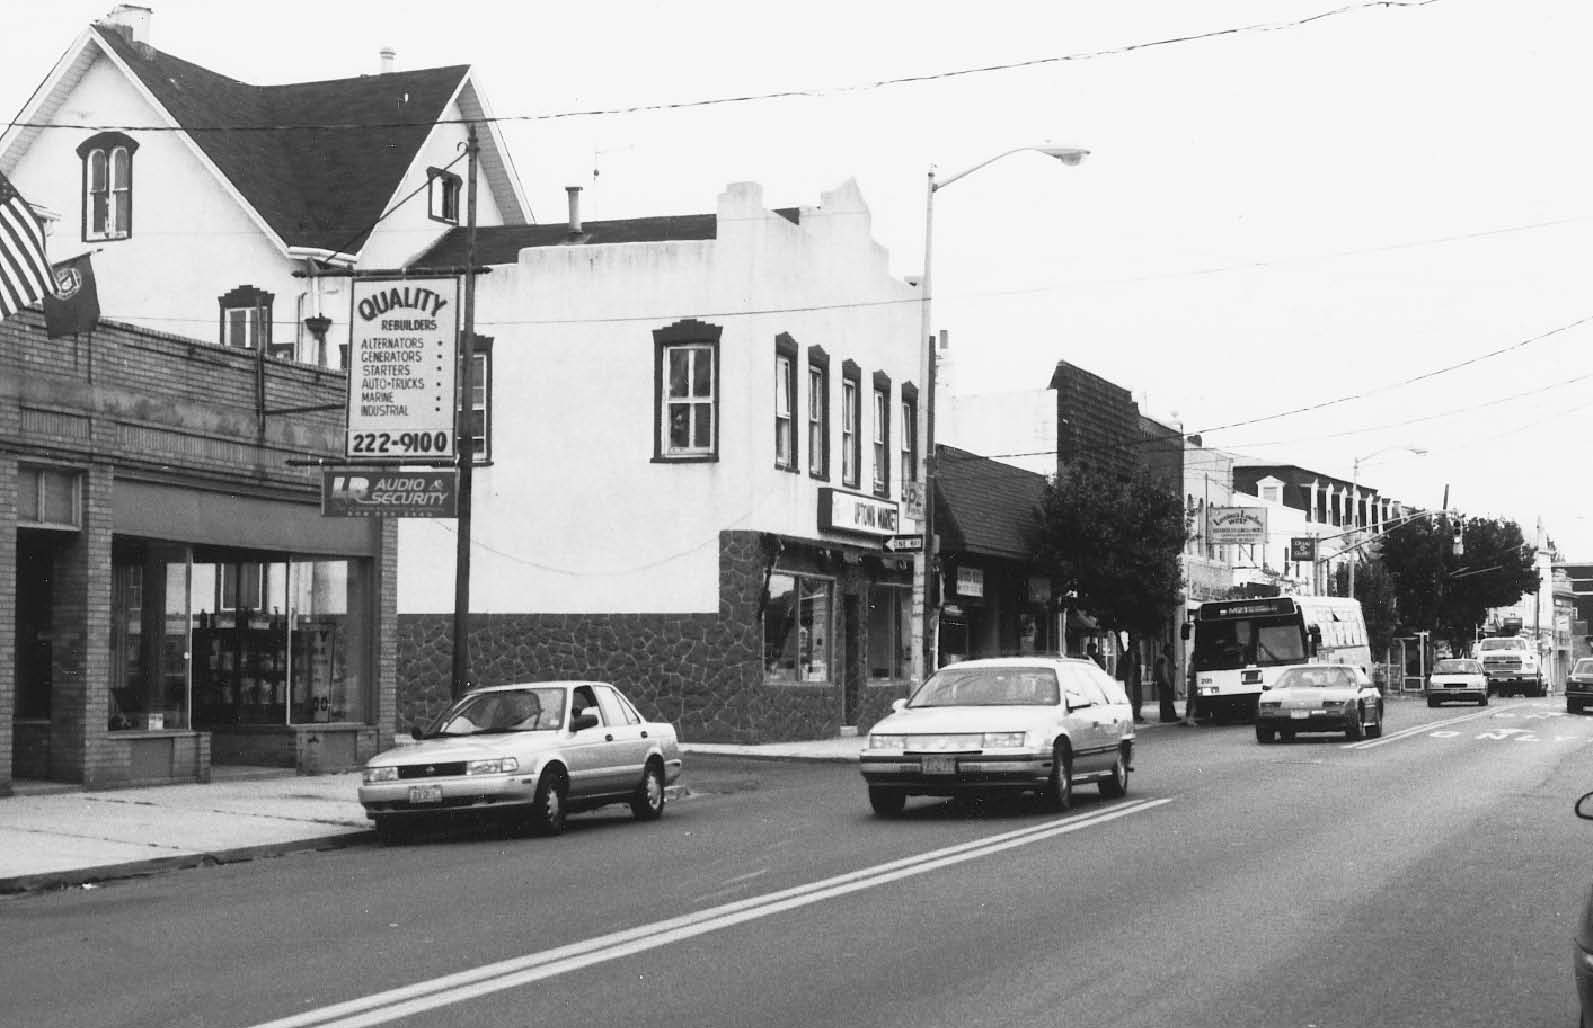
(395, 494)
(402, 362)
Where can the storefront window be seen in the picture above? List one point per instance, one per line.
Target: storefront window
(796, 629)
(278, 642)
(890, 633)
(149, 636)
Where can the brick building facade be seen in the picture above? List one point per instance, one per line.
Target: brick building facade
(170, 595)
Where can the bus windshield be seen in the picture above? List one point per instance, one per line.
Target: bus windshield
(1241, 642)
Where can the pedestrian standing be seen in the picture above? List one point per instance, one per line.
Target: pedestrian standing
(1128, 672)
(1162, 675)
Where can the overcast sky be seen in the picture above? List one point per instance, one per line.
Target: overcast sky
(1271, 220)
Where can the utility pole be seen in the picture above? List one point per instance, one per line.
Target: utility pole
(461, 680)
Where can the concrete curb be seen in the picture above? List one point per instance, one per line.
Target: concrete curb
(54, 880)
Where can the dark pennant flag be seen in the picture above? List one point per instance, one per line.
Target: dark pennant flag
(75, 307)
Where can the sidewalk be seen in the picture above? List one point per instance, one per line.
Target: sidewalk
(54, 836)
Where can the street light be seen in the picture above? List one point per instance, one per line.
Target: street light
(924, 559)
(1355, 499)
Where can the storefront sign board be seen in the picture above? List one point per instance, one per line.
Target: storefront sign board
(402, 366)
(841, 511)
(395, 494)
(1237, 525)
(970, 582)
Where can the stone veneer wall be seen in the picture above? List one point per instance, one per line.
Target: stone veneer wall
(702, 672)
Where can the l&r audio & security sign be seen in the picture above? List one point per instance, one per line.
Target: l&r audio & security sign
(402, 363)
(390, 494)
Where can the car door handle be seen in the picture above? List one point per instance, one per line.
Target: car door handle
(644, 733)
(609, 737)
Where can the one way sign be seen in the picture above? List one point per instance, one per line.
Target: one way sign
(905, 543)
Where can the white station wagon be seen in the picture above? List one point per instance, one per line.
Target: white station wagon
(1014, 724)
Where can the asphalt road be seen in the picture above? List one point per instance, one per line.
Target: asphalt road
(1427, 878)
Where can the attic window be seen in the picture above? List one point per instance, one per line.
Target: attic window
(107, 185)
(442, 189)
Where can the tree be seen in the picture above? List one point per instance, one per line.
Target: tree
(1449, 594)
(1115, 543)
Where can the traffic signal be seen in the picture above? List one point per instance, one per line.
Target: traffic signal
(1457, 544)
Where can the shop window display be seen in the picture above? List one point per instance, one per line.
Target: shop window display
(149, 637)
(796, 629)
(890, 633)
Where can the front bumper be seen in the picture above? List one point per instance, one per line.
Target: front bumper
(452, 795)
(1457, 692)
(947, 774)
(1304, 720)
(1575, 690)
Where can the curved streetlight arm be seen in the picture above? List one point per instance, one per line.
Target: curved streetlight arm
(1069, 155)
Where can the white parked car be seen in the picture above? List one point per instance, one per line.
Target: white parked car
(1019, 724)
(532, 753)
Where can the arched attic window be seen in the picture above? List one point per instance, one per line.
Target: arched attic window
(107, 185)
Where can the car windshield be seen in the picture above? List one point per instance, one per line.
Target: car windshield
(503, 710)
(1503, 644)
(1583, 667)
(989, 687)
(1316, 678)
(1457, 666)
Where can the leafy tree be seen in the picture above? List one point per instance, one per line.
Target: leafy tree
(1115, 543)
(1449, 594)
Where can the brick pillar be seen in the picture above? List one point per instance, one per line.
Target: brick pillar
(80, 696)
(8, 616)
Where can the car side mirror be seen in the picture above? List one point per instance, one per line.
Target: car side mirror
(899, 704)
(1073, 701)
(1584, 806)
(581, 722)
(1183, 631)
(414, 732)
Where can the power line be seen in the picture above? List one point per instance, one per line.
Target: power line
(785, 94)
(1404, 382)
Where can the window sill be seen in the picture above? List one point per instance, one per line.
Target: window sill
(687, 458)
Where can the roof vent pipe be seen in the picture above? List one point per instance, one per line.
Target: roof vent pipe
(388, 55)
(574, 193)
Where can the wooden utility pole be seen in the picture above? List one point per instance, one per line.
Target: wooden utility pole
(462, 678)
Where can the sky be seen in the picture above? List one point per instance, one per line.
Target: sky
(1315, 232)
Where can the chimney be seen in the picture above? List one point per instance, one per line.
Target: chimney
(576, 233)
(389, 56)
(132, 20)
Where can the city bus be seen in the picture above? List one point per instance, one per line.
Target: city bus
(1241, 645)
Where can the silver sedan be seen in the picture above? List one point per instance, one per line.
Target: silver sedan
(1320, 698)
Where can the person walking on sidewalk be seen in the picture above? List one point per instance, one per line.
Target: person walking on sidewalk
(1162, 675)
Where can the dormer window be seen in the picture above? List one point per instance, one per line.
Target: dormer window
(443, 195)
(107, 185)
(246, 320)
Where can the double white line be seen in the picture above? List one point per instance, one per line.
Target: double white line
(1406, 733)
(420, 997)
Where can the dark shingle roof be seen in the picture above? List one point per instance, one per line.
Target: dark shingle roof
(501, 244)
(987, 507)
(321, 187)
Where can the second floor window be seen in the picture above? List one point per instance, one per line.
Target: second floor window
(107, 186)
(818, 414)
(882, 458)
(246, 318)
(785, 394)
(909, 432)
(479, 423)
(851, 442)
(686, 370)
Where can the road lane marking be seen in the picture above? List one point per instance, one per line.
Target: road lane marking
(419, 997)
(1406, 733)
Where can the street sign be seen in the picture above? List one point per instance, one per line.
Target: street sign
(401, 370)
(390, 494)
(905, 544)
(1302, 548)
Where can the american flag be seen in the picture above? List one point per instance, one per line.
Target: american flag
(25, 274)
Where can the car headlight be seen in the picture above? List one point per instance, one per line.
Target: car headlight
(887, 742)
(1003, 740)
(495, 766)
(372, 775)
(1328, 704)
(1271, 704)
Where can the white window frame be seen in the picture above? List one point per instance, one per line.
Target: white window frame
(882, 408)
(784, 412)
(851, 444)
(690, 401)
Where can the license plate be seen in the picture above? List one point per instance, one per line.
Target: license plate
(1299, 715)
(425, 794)
(940, 765)
(1208, 690)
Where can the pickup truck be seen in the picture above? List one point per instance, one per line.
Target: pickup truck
(1512, 665)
